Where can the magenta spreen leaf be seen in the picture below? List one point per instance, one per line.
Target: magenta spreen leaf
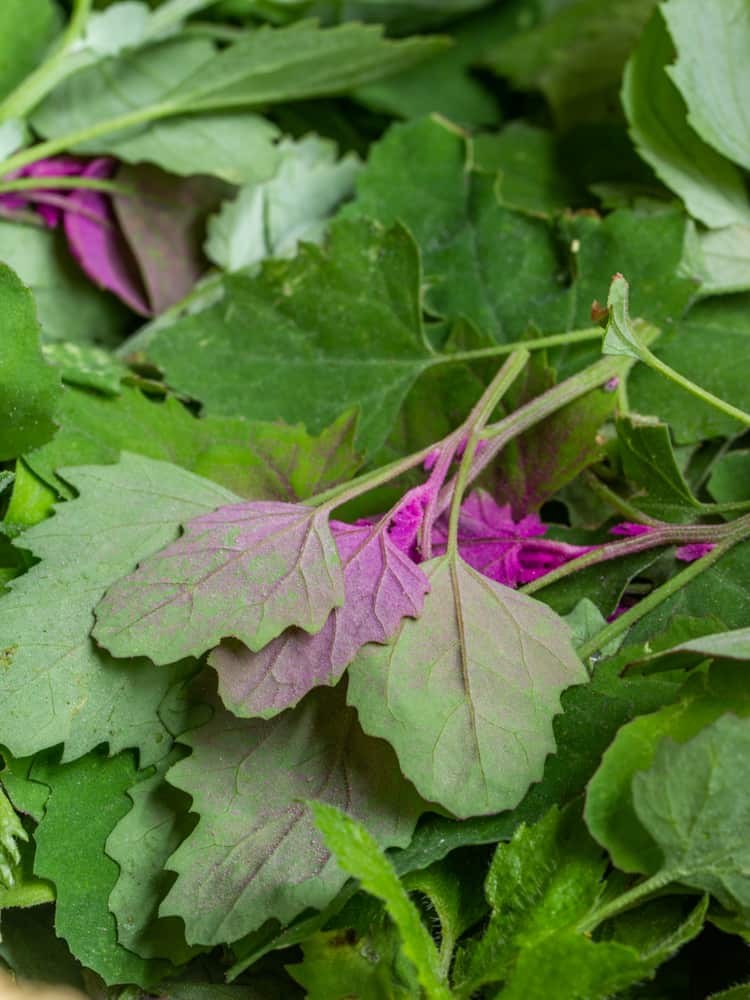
(382, 586)
(97, 243)
(508, 551)
(247, 570)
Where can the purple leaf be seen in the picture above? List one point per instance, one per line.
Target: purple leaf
(248, 570)
(97, 243)
(382, 586)
(163, 224)
(510, 552)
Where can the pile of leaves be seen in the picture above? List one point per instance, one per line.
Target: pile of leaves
(375, 494)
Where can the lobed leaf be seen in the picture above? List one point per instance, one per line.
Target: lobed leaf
(381, 586)
(247, 570)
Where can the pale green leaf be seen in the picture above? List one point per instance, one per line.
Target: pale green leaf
(268, 219)
(121, 26)
(620, 337)
(255, 853)
(58, 687)
(725, 260)
(712, 70)
(466, 693)
(11, 832)
(711, 187)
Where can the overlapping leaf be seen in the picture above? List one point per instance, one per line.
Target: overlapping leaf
(381, 586)
(245, 570)
(57, 685)
(255, 853)
(466, 694)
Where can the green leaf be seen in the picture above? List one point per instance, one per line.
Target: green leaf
(236, 146)
(710, 347)
(29, 387)
(255, 853)
(117, 86)
(337, 966)
(86, 366)
(730, 478)
(712, 70)
(540, 886)
(725, 255)
(712, 188)
(481, 261)
(26, 890)
(259, 461)
(621, 336)
(270, 65)
(648, 460)
(575, 56)
(162, 222)
(88, 798)
(57, 686)
(68, 305)
(359, 854)
(697, 812)
(270, 218)
(610, 811)
(310, 337)
(141, 843)
(526, 158)
(27, 27)
(466, 693)
(28, 796)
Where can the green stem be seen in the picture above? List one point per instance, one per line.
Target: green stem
(537, 344)
(63, 143)
(527, 416)
(35, 87)
(44, 183)
(703, 394)
(477, 420)
(336, 496)
(657, 597)
(626, 901)
(618, 503)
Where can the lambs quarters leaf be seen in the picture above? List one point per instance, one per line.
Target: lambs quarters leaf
(467, 692)
(86, 801)
(381, 586)
(29, 387)
(57, 686)
(255, 853)
(334, 328)
(248, 571)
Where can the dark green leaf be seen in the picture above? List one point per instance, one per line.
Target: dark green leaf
(29, 387)
(730, 478)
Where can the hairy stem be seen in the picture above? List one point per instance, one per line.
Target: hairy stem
(45, 183)
(627, 900)
(685, 383)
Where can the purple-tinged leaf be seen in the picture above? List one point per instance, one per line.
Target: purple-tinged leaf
(97, 243)
(256, 853)
(163, 224)
(507, 551)
(382, 586)
(466, 694)
(247, 570)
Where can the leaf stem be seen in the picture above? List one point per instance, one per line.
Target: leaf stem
(43, 150)
(477, 420)
(658, 596)
(61, 64)
(626, 901)
(617, 502)
(535, 344)
(685, 383)
(43, 183)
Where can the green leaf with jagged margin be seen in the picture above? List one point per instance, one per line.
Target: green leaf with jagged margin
(258, 461)
(57, 686)
(255, 853)
(88, 797)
